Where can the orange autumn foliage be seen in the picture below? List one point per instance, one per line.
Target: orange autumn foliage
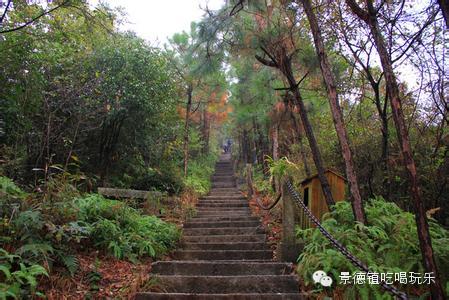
(217, 109)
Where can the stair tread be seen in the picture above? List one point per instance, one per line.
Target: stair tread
(225, 253)
(228, 284)
(230, 262)
(235, 296)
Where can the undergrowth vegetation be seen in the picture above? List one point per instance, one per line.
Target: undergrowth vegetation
(38, 235)
(389, 243)
(123, 231)
(199, 174)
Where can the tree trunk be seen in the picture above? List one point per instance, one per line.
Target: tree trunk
(245, 146)
(241, 148)
(301, 145)
(257, 139)
(384, 121)
(263, 148)
(370, 18)
(206, 130)
(284, 64)
(249, 180)
(254, 146)
(316, 155)
(275, 141)
(108, 140)
(186, 129)
(444, 5)
(331, 88)
(286, 69)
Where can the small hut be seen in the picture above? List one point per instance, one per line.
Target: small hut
(314, 198)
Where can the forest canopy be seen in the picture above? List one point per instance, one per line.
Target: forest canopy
(297, 88)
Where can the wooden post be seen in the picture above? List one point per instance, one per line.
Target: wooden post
(289, 247)
(249, 180)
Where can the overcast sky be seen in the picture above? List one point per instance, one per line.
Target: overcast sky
(155, 20)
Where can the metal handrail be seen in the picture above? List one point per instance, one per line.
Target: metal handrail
(342, 249)
(269, 207)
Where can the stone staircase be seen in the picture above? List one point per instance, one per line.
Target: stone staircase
(225, 254)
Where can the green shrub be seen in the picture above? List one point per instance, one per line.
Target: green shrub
(19, 279)
(199, 174)
(48, 232)
(11, 198)
(8, 187)
(123, 231)
(261, 182)
(388, 244)
(166, 178)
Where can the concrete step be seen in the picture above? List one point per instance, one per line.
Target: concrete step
(215, 203)
(224, 194)
(233, 189)
(224, 197)
(223, 254)
(225, 238)
(222, 209)
(218, 224)
(223, 219)
(226, 246)
(230, 202)
(223, 212)
(223, 231)
(229, 284)
(215, 214)
(217, 183)
(232, 296)
(222, 177)
(219, 268)
(223, 204)
(223, 184)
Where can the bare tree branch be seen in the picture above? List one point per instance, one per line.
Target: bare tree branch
(265, 61)
(361, 13)
(35, 18)
(6, 10)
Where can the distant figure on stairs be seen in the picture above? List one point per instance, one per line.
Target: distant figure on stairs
(227, 146)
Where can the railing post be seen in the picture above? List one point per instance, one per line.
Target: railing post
(289, 247)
